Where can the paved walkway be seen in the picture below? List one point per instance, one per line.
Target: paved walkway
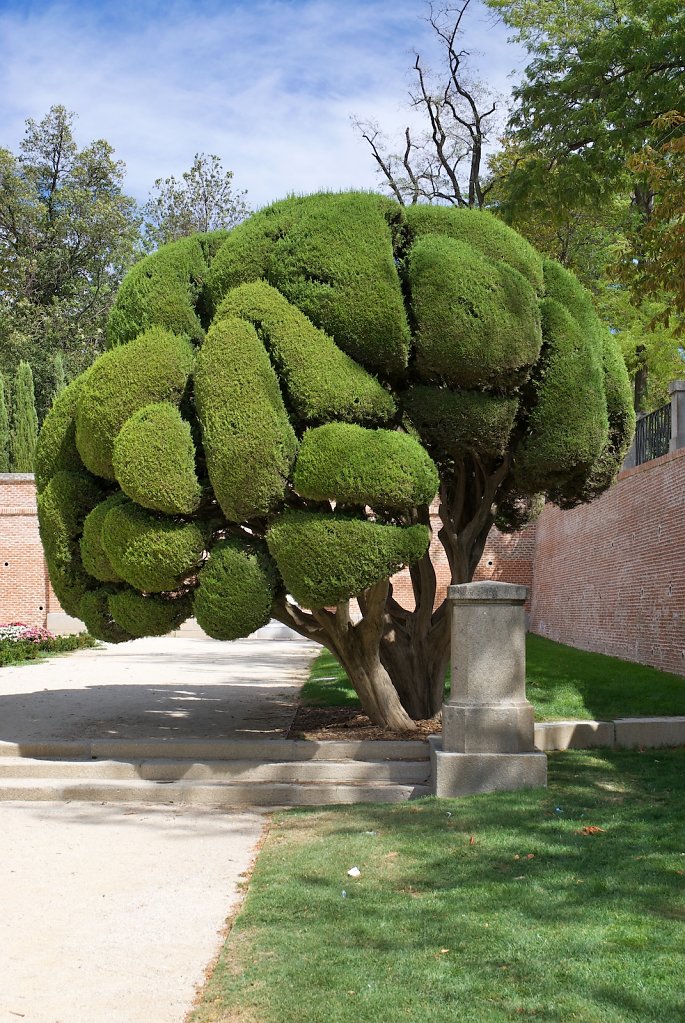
(111, 913)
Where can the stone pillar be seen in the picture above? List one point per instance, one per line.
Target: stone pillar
(676, 389)
(487, 724)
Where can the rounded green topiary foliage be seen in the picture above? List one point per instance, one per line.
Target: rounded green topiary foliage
(154, 367)
(568, 427)
(324, 559)
(483, 232)
(95, 614)
(62, 507)
(154, 460)
(477, 321)
(332, 257)
(56, 450)
(236, 589)
(379, 468)
(148, 551)
(69, 579)
(63, 504)
(248, 441)
(146, 615)
(93, 556)
(322, 383)
(316, 319)
(456, 422)
(163, 288)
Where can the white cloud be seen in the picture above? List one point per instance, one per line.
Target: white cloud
(268, 86)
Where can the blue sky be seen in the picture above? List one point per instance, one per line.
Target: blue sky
(269, 86)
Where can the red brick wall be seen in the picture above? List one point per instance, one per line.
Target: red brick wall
(24, 588)
(610, 576)
(507, 558)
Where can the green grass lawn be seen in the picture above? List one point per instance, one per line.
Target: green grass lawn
(564, 904)
(561, 682)
(19, 653)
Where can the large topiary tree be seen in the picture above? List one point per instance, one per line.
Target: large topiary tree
(279, 406)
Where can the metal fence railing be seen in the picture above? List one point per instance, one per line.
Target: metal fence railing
(653, 435)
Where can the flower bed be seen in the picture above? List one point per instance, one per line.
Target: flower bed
(18, 632)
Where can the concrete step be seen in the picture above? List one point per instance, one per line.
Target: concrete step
(222, 773)
(263, 750)
(249, 772)
(216, 794)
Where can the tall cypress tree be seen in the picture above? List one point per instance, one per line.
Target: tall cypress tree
(24, 421)
(4, 430)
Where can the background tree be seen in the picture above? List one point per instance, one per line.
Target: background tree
(586, 126)
(352, 358)
(444, 161)
(4, 429)
(202, 200)
(654, 262)
(67, 235)
(24, 432)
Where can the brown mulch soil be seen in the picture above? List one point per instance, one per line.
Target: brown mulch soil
(339, 723)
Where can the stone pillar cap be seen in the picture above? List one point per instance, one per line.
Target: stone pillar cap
(676, 385)
(488, 591)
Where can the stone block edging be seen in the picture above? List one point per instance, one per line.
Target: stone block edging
(621, 733)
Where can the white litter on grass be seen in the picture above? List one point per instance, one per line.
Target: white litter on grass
(354, 872)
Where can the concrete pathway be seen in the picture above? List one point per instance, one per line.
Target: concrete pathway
(112, 913)
(185, 687)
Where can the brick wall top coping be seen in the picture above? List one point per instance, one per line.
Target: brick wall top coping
(653, 463)
(16, 477)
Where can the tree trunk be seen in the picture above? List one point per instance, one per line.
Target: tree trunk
(378, 696)
(417, 665)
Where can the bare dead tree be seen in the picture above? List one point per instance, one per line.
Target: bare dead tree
(445, 162)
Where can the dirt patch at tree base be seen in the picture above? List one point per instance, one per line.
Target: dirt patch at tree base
(341, 723)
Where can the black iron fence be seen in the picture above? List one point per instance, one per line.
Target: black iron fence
(653, 435)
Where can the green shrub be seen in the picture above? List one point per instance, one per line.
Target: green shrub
(568, 425)
(457, 422)
(162, 289)
(56, 449)
(95, 614)
(332, 257)
(151, 553)
(477, 321)
(154, 460)
(147, 615)
(321, 382)
(154, 367)
(248, 441)
(236, 589)
(325, 559)
(93, 556)
(482, 231)
(380, 468)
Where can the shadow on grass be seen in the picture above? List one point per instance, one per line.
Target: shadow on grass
(556, 904)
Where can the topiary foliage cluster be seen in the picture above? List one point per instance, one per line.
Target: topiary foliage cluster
(276, 402)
